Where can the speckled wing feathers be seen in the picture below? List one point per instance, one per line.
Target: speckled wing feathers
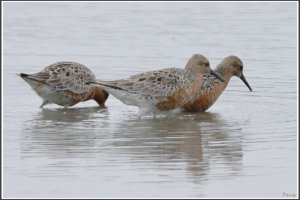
(160, 83)
(66, 76)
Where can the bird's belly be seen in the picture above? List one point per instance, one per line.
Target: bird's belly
(134, 99)
(52, 95)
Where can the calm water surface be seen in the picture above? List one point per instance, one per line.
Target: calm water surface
(245, 145)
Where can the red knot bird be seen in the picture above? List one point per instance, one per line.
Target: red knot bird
(164, 89)
(212, 87)
(64, 83)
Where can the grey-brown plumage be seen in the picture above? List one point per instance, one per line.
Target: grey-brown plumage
(163, 89)
(64, 83)
(211, 87)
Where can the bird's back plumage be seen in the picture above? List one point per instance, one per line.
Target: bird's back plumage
(64, 83)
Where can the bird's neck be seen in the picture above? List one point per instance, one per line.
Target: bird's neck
(98, 94)
(224, 72)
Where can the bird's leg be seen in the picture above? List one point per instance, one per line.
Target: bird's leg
(44, 103)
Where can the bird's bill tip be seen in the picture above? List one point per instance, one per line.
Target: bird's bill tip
(246, 83)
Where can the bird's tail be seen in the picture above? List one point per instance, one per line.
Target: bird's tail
(101, 84)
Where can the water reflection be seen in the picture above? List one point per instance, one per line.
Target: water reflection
(62, 132)
(68, 115)
(194, 143)
(197, 140)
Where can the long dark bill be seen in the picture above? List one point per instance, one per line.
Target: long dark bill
(245, 81)
(217, 75)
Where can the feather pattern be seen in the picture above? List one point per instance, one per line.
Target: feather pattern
(64, 83)
(66, 76)
(164, 89)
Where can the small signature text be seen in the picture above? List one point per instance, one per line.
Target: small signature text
(288, 195)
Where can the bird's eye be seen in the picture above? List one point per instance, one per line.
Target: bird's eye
(206, 64)
(238, 67)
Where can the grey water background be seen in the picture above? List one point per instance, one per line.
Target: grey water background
(245, 145)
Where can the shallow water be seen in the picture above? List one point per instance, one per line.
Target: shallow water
(245, 145)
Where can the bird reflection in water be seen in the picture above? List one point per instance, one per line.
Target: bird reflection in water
(196, 144)
(63, 132)
(197, 140)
